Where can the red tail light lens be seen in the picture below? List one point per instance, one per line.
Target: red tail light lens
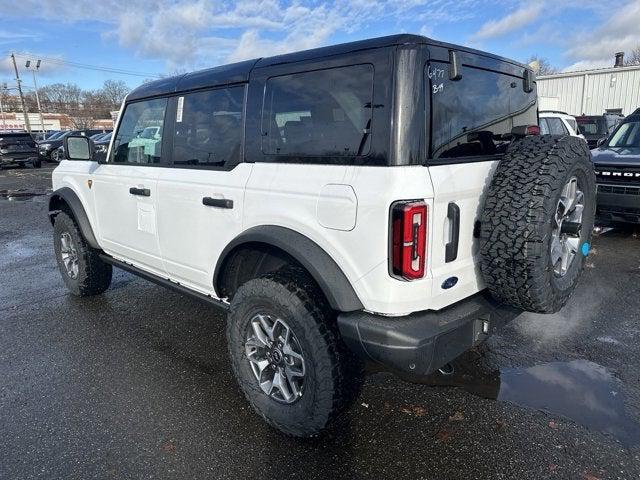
(408, 239)
(533, 130)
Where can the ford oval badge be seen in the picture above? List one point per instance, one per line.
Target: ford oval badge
(449, 282)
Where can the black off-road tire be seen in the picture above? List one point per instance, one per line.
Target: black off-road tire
(518, 218)
(333, 375)
(94, 275)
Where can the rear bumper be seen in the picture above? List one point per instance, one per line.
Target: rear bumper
(12, 159)
(422, 342)
(618, 203)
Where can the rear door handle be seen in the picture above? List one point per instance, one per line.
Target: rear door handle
(143, 192)
(451, 249)
(217, 202)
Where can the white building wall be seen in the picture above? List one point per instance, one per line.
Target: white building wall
(591, 92)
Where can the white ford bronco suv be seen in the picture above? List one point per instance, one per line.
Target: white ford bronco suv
(388, 200)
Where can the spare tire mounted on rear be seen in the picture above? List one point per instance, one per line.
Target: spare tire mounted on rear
(537, 221)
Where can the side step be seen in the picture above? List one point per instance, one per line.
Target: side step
(164, 282)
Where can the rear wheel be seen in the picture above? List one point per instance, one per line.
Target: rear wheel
(287, 355)
(82, 270)
(36, 163)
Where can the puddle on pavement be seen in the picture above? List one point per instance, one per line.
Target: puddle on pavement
(582, 391)
(20, 195)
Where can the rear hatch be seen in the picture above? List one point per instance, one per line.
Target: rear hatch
(593, 127)
(17, 145)
(470, 122)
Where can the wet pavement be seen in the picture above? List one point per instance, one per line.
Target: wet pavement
(136, 383)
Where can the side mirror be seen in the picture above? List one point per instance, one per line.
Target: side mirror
(601, 141)
(78, 147)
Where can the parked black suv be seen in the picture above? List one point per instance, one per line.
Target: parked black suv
(51, 149)
(18, 148)
(617, 165)
(598, 127)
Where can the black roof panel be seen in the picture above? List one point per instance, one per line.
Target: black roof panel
(239, 72)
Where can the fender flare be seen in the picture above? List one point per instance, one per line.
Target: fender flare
(324, 269)
(70, 197)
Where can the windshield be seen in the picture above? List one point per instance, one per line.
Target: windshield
(592, 125)
(55, 136)
(628, 135)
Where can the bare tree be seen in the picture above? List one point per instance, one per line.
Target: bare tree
(541, 65)
(114, 91)
(633, 58)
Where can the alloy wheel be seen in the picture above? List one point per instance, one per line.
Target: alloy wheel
(565, 235)
(69, 255)
(276, 358)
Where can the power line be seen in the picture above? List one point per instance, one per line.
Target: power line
(87, 66)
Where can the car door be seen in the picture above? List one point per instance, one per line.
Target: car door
(125, 187)
(201, 191)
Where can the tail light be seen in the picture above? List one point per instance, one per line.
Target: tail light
(408, 239)
(525, 130)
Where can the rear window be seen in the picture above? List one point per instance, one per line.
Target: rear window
(592, 125)
(323, 113)
(470, 115)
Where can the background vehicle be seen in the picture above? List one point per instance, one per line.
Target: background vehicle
(18, 148)
(101, 145)
(53, 150)
(617, 165)
(597, 127)
(387, 200)
(558, 123)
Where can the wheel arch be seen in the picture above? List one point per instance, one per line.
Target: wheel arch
(66, 199)
(284, 243)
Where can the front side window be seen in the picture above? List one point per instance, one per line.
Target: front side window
(139, 136)
(471, 116)
(208, 128)
(323, 113)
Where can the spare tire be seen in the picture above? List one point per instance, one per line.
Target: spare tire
(537, 221)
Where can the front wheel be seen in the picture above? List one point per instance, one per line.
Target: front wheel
(287, 355)
(82, 270)
(54, 156)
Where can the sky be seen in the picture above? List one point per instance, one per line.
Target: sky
(147, 38)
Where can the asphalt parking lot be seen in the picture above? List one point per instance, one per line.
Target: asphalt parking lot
(136, 383)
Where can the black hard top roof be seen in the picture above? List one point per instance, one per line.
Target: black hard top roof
(239, 72)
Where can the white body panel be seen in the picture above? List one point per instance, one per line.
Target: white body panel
(189, 236)
(192, 235)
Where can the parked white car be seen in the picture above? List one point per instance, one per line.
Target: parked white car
(559, 123)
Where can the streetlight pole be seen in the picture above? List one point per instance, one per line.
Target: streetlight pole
(35, 85)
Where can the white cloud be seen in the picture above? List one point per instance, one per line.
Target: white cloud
(191, 34)
(517, 19)
(619, 32)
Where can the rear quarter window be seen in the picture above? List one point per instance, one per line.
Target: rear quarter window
(321, 113)
(470, 115)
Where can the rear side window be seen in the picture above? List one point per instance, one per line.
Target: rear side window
(139, 136)
(556, 127)
(471, 115)
(323, 113)
(208, 128)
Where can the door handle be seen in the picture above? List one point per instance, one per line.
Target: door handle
(143, 192)
(451, 249)
(217, 202)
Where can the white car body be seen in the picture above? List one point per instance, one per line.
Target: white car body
(567, 121)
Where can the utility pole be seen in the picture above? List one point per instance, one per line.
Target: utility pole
(35, 85)
(3, 88)
(24, 105)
